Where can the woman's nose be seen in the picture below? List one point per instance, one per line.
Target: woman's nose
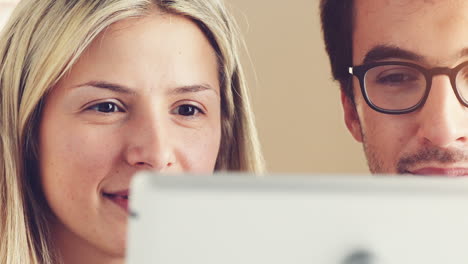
(149, 145)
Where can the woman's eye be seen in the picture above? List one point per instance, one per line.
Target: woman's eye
(187, 110)
(106, 107)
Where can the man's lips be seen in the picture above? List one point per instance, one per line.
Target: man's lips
(449, 172)
(120, 198)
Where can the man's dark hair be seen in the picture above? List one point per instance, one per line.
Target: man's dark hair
(337, 27)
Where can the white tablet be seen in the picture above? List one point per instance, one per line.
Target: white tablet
(242, 219)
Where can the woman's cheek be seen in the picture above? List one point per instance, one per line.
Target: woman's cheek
(198, 151)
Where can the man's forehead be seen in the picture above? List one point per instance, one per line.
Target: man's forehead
(403, 5)
(400, 11)
(435, 30)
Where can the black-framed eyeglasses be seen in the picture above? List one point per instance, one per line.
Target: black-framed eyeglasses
(396, 87)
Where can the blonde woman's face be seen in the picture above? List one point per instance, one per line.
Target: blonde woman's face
(144, 96)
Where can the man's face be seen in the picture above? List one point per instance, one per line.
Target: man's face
(432, 139)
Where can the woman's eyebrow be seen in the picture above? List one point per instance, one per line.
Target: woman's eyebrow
(126, 90)
(192, 89)
(109, 86)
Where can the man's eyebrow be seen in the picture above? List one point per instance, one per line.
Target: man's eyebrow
(109, 86)
(192, 89)
(384, 52)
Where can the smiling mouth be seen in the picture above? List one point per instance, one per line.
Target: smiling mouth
(121, 199)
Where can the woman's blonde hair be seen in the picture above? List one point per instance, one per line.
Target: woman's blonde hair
(40, 43)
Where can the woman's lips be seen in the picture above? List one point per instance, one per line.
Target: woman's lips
(449, 172)
(120, 198)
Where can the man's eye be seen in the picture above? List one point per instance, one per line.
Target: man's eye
(106, 107)
(397, 78)
(187, 110)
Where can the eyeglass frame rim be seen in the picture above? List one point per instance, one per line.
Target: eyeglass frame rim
(360, 72)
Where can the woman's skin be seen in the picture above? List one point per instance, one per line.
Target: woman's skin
(144, 96)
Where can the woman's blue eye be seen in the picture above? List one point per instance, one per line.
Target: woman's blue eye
(106, 107)
(187, 110)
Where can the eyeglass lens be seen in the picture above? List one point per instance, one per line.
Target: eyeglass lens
(399, 87)
(461, 82)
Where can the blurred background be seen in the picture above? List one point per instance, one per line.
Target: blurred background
(296, 103)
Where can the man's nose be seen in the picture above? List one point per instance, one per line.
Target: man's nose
(443, 120)
(149, 145)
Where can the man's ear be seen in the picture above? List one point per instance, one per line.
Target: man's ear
(351, 117)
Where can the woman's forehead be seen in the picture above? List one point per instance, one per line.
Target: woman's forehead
(157, 50)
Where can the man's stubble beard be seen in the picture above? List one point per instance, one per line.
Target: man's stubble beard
(425, 154)
(373, 162)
